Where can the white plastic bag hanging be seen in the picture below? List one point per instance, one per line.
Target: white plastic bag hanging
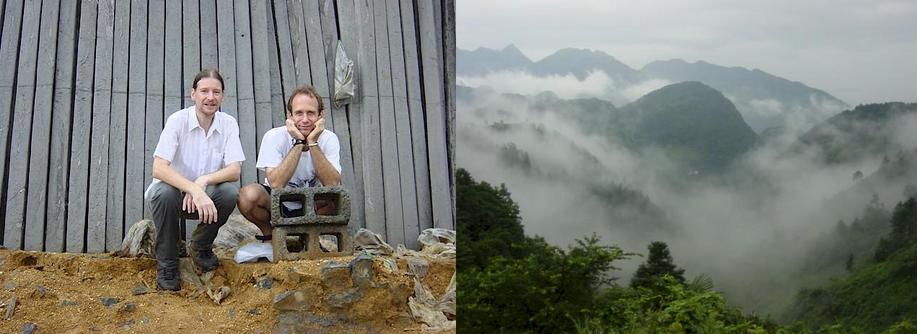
(344, 88)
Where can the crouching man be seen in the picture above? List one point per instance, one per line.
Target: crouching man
(195, 167)
(301, 154)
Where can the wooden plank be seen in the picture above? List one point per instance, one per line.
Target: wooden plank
(435, 117)
(277, 102)
(77, 193)
(117, 145)
(402, 128)
(9, 51)
(449, 55)
(136, 120)
(374, 199)
(154, 105)
(261, 74)
(191, 47)
(350, 37)
(245, 85)
(209, 48)
(415, 108)
(342, 126)
(174, 83)
(60, 127)
(285, 48)
(37, 205)
(317, 64)
(227, 46)
(22, 130)
(173, 68)
(2, 8)
(391, 180)
(299, 43)
(101, 110)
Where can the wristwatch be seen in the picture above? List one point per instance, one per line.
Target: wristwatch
(297, 142)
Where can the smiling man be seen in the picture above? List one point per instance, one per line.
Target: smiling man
(301, 154)
(195, 166)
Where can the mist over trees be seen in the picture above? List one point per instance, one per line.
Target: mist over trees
(764, 215)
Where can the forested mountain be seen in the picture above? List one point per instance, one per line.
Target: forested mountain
(483, 60)
(692, 122)
(880, 293)
(765, 100)
(867, 131)
(580, 62)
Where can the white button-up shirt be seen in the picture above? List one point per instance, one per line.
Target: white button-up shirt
(191, 151)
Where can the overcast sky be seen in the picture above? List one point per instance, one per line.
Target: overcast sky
(859, 51)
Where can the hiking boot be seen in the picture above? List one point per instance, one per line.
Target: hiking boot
(168, 278)
(204, 259)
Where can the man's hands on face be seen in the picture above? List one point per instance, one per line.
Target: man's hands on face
(199, 201)
(293, 130)
(317, 131)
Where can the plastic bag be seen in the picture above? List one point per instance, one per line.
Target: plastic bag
(344, 88)
(254, 251)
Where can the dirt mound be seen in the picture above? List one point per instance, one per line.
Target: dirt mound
(82, 293)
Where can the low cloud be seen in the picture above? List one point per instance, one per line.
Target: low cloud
(757, 221)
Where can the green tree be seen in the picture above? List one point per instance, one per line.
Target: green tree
(658, 263)
(488, 222)
(904, 229)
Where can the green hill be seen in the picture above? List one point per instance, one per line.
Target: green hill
(877, 295)
(691, 122)
(863, 132)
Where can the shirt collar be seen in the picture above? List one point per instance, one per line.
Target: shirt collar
(193, 123)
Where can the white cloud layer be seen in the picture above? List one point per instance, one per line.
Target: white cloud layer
(859, 51)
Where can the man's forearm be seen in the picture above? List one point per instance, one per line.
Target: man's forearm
(164, 171)
(279, 176)
(323, 169)
(230, 173)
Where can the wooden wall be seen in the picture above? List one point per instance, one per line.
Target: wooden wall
(86, 85)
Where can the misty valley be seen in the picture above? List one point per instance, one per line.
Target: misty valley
(686, 197)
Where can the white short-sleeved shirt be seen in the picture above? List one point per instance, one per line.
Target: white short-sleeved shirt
(277, 143)
(194, 153)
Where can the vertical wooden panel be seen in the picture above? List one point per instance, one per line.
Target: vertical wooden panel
(261, 76)
(77, 193)
(136, 121)
(154, 105)
(435, 117)
(415, 110)
(299, 43)
(101, 111)
(449, 55)
(209, 48)
(60, 127)
(117, 146)
(317, 62)
(245, 84)
(391, 180)
(173, 68)
(342, 126)
(277, 102)
(22, 127)
(36, 205)
(285, 48)
(191, 46)
(9, 51)
(374, 199)
(402, 128)
(350, 37)
(227, 45)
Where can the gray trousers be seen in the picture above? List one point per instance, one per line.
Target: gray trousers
(165, 204)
